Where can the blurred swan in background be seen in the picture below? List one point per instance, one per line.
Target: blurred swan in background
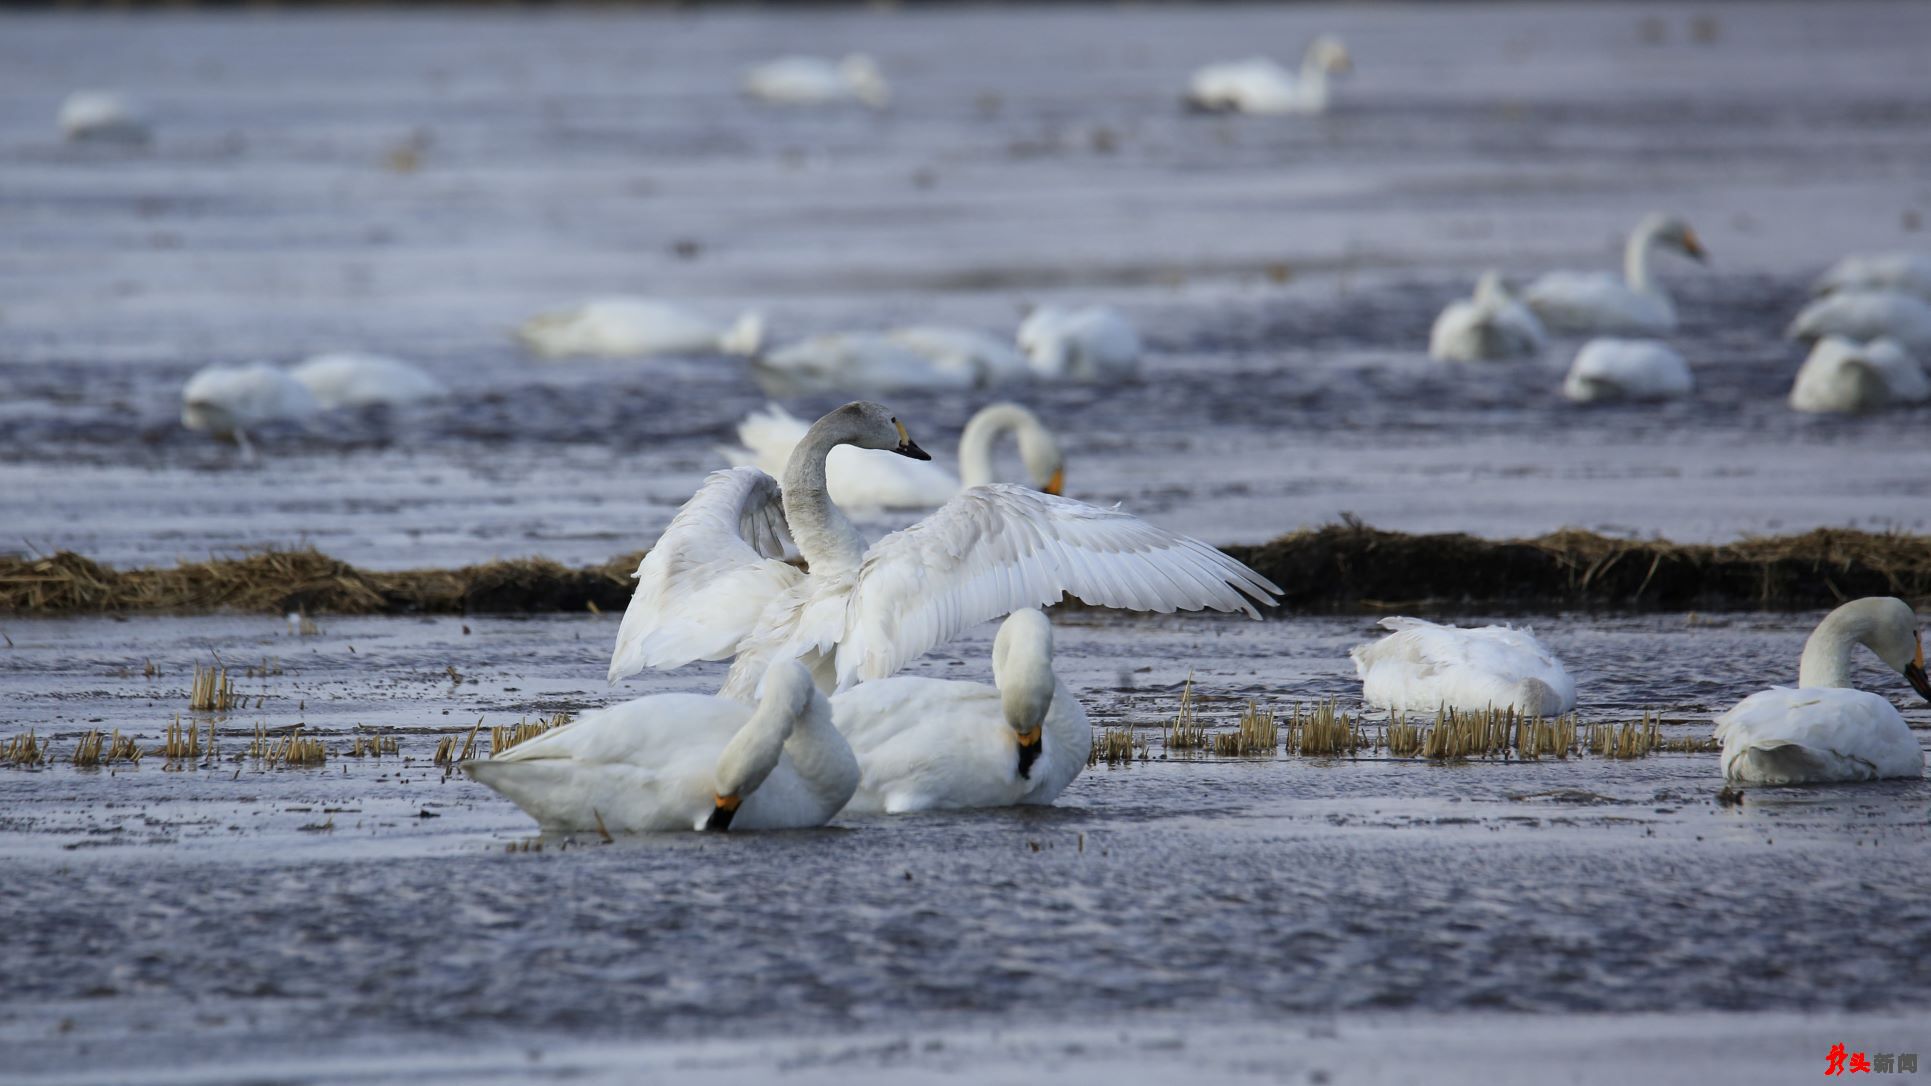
(627, 327)
(1492, 325)
(1867, 315)
(228, 401)
(1842, 375)
(1905, 273)
(1090, 344)
(684, 762)
(102, 116)
(1596, 303)
(1260, 85)
(925, 744)
(1824, 729)
(1628, 369)
(350, 379)
(875, 479)
(810, 81)
(918, 357)
(1423, 667)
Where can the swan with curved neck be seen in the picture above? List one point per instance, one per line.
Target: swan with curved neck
(1260, 85)
(1593, 303)
(825, 536)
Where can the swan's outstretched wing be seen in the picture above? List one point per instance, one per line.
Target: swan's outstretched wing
(701, 588)
(994, 549)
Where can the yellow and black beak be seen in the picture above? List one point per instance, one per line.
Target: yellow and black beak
(1057, 484)
(1030, 745)
(721, 815)
(1915, 672)
(1694, 246)
(908, 447)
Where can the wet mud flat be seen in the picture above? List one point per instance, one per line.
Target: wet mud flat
(374, 919)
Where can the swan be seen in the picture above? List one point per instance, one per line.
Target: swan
(1423, 667)
(1824, 730)
(1587, 303)
(918, 357)
(1906, 273)
(1867, 314)
(1091, 344)
(684, 761)
(1491, 325)
(926, 744)
(628, 327)
(349, 379)
(102, 116)
(228, 401)
(1627, 369)
(715, 586)
(875, 479)
(1846, 376)
(1259, 85)
(812, 81)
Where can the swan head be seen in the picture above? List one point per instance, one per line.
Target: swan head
(1022, 668)
(1493, 286)
(871, 425)
(1038, 449)
(1671, 232)
(751, 755)
(1328, 54)
(862, 75)
(1888, 627)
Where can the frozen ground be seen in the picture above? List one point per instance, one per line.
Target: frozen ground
(1030, 155)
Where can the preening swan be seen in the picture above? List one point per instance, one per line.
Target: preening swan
(874, 479)
(1422, 667)
(228, 401)
(1259, 85)
(1867, 314)
(684, 762)
(102, 116)
(812, 81)
(348, 379)
(1845, 376)
(1906, 273)
(921, 357)
(714, 586)
(1492, 325)
(1095, 343)
(1824, 730)
(1592, 303)
(925, 744)
(1627, 369)
(620, 327)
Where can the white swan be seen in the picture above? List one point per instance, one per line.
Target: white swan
(1586, 303)
(1259, 85)
(919, 357)
(1907, 273)
(228, 401)
(684, 762)
(1845, 376)
(1627, 369)
(1824, 730)
(626, 327)
(1095, 343)
(1867, 314)
(1422, 667)
(102, 116)
(715, 584)
(926, 744)
(812, 81)
(875, 479)
(349, 379)
(1491, 325)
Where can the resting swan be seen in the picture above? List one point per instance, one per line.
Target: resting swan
(1490, 326)
(1259, 85)
(1843, 376)
(1905, 273)
(1628, 369)
(228, 401)
(814, 81)
(1422, 667)
(925, 744)
(102, 116)
(1592, 303)
(1867, 314)
(684, 762)
(1824, 730)
(875, 479)
(625, 327)
(348, 379)
(919, 357)
(715, 586)
(1095, 343)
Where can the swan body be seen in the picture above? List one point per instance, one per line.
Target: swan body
(895, 361)
(1627, 369)
(1865, 315)
(684, 762)
(1824, 730)
(1095, 343)
(363, 380)
(1259, 85)
(627, 327)
(1587, 303)
(102, 116)
(1844, 376)
(1492, 325)
(1905, 273)
(925, 744)
(813, 81)
(876, 479)
(1423, 667)
(864, 610)
(228, 401)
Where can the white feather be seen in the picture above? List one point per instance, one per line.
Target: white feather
(1422, 667)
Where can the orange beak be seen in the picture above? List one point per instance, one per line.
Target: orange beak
(727, 806)
(1057, 484)
(1693, 246)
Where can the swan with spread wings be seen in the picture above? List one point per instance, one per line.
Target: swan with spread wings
(716, 585)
